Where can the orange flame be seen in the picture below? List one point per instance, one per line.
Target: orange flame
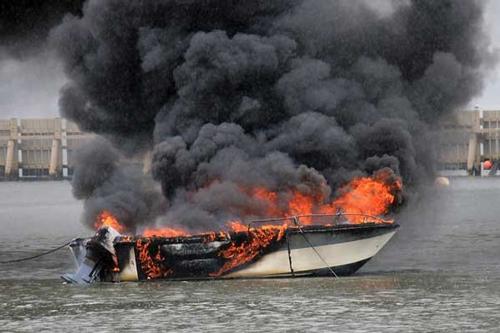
(164, 232)
(106, 219)
(238, 254)
(373, 196)
(151, 264)
(369, 196)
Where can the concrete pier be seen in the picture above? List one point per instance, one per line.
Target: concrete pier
(38, 148)
(471, 154)
(54, 166)
(9, 160)
(45, 148)
(467, 139)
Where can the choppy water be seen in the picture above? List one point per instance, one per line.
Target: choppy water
(440, 273)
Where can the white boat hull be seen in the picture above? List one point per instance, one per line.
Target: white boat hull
(302, 251)
(302, 259)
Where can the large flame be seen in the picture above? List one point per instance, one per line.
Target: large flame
(373, 196)
(363, 196)
(366, 196)
(106, 219)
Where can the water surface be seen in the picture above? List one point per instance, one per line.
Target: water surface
(439, 273)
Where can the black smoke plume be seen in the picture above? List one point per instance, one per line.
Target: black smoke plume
(25, 24)
(106, 184)
(285, 94)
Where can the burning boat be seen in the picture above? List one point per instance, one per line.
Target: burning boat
(316, 237)
(308, 245)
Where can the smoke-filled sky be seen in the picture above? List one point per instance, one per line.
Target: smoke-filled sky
(490, 97)
(30, 83)
(30, 87)
(296, 97)
(232, 97)
(30, 74)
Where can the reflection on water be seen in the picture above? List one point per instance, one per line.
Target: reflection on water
(438, 274)
(388, 303)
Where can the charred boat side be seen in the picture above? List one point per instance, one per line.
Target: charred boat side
(259, 252)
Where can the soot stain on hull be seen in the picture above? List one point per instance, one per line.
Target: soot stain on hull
(199, 257)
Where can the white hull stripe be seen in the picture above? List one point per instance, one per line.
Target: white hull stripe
(306, 259)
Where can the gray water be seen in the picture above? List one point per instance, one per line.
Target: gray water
(439, 274)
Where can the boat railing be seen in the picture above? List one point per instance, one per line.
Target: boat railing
(321, 219)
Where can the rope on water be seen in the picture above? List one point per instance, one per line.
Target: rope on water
(332, 272)
(36, 256)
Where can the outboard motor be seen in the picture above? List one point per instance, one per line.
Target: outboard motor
(92, 255)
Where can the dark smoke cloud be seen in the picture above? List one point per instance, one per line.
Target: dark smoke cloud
(25, 24)
(289, 95)
(105, 183)
(30, 74)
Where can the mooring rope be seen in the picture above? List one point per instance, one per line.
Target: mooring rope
(314, 248)
(36, 256)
